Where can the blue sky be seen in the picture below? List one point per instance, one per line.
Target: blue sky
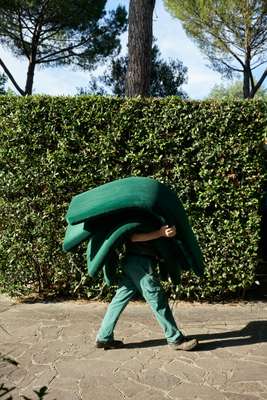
(171, 40)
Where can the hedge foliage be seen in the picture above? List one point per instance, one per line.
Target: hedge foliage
(53, 148)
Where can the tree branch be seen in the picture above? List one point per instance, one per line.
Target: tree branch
(225, 45)
(52, 59)
(42, 59)
(229, 66)
(30, 29)
(10, 34)
(259, 83)
(21, 36)
(44, 38)
(6, 70)
(258, 65)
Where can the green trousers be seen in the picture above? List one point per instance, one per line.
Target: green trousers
(138, 276)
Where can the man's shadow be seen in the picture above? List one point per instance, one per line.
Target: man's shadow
(253, 332)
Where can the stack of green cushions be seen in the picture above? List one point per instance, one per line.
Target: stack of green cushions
(108, 214)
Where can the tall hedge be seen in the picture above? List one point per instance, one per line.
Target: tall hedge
(53, 148)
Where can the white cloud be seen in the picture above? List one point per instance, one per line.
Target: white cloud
(201, 82)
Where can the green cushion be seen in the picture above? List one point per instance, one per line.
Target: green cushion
(100, 251)
(100, 245)
(111, 211)
(111, 237)
(75, 234)
(128, 193)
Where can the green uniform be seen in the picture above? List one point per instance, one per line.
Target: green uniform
(139, 277)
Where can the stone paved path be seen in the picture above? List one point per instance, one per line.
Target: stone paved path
(53, 345)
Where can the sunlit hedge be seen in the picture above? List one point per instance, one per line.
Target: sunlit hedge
(55, 147)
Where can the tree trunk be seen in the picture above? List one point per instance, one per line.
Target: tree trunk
(30, 75)
(139, 47)
(246, 83)
(8, 73)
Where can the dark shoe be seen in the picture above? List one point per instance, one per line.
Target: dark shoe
(184, 344)
(111, 344)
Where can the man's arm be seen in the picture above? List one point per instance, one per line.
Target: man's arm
(164, 231)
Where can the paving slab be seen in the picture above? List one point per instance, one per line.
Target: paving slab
(53, 345)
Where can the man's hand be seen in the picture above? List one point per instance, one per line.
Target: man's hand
(168, 231)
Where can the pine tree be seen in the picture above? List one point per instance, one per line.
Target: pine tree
(58, 32)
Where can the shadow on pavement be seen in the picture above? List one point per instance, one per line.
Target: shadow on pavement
(145, 343)
(253, 332)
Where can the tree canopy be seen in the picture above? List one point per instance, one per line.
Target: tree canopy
(232, 33)
(167, 77)
(58, 32)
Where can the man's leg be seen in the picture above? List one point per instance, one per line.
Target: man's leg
(122, 297)
(139, 269)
